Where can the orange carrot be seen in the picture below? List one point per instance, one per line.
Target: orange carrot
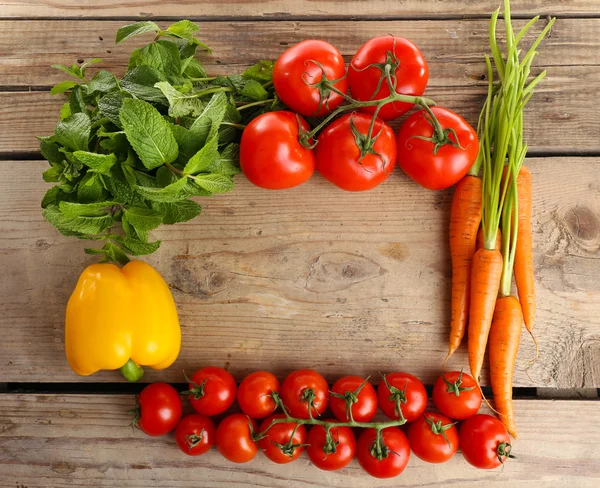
(523, 270)
(465, 216)
(505, 336)
(486, 272)
(498, 245)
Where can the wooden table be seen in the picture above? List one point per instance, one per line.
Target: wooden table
(311, 277)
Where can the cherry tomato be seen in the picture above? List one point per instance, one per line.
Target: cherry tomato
(158, 409)
(195, 434)
(297, 69)
(333, 453)
(234, 438)
(347, 160)
(366, 77)
(284, 442)
(456, 395)
(407, 393)
(395, 452)
(254, 394)
(302, 387)
(484, 441)
(271, 155)
(431, 166)
(364, 403)
(212, 390)
(433, 438)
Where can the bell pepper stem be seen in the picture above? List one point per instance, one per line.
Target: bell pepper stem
(131, 371)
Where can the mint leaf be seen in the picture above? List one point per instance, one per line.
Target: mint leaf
(229, 160)
(74, 70)
(78, 225)
(191, 189)
(140, 83)
(98, 163)
(214, 183)
(74, 132)
(111, 253)
(184, 29)
(210, 118)
(180, 104)
(90, 189)
(63, 87)
(148, 133)
(261, 72)
(70, 209)
(53, 174)
(177, 211)
(77, 103)
(161, 55)
(110, 105)
(53, 196)
(254, 91)
(65, 111)
(103, 82)
(204, 158)
(50, 150)
(143, 218)
(136, 29)
(194, 69)
(135, 247)
(171, 193)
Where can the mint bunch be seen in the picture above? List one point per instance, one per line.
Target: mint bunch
(135, 150)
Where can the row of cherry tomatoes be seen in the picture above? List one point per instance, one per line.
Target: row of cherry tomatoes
(331, 444)
(311, 79)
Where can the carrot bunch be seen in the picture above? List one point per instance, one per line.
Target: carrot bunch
(482, 276)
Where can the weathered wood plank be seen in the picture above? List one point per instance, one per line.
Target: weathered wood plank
(313, 277)
(559, 118)
(284, 8)
(84, 441)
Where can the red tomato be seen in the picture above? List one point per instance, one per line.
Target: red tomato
(158, 409)
(333, 453)
(395, 452)
(361, 395)
(484, 441)
(195, 434)
(302, 387)
(441, 168)
(284, 442)
(297, 69)
(271, 155)
(212, 390)
(407, 393)
(456, 395)
(234, 438)
(433, 438)
(344, 159)
(254, 394)
(408, 68)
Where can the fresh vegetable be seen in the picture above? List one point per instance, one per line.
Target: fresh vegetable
(383, 453)
(484, 441)
(465, 217)
(195, 434)
(300, 72)
(283, 442)
(497, 245)
(353, 398)
(331, 448)
(255, 394)
(135, 149)
(436, 151)
(352, 161)
(121, 318)
(211, 391)
(387, 54)
(234, 438)
(271, 155)
(402, 396)
(157, 410)
(433, 438)
(456, 395)
(305, 393)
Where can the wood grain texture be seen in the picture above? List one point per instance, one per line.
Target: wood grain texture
(559, 118)
(313, 277)
(83, 441)
(283, 8)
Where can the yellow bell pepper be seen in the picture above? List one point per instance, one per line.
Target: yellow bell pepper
(121, 318)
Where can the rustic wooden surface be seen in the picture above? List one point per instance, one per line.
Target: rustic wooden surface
(315, 277)
(81, 441)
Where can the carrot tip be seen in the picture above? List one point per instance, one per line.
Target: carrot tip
(537, 352)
